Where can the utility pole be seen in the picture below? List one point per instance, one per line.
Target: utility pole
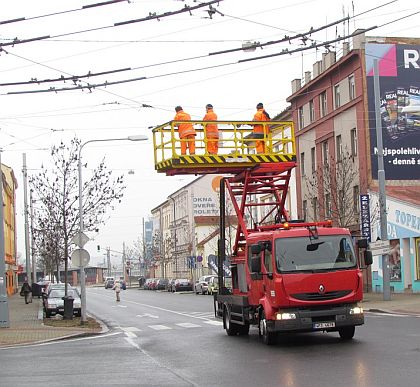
(4, 306)
(25, 205)
(381, 182)
(108, 260)
(123, 263)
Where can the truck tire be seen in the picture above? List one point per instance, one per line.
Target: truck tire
(346, 333)
(267, 337)
(243, 329)
(231, 329)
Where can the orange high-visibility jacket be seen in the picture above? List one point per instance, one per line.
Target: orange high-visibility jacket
(260, 116)
(212, 130)
(184, 129)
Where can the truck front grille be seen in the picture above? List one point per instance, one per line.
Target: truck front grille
(321, 296)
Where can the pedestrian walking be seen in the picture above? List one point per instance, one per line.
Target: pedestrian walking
(186, 131)
(26, 291)
(211, 131)
(117, 288)
(261, 130)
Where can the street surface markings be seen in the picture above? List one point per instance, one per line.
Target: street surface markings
(159, 327)
(213, 322)
(381, 314)
(131, 342)
(119, 306)
(130, 334)
(188, 325)
(147, 315)
(130, 329)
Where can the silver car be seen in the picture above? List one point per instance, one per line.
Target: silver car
(54, 302)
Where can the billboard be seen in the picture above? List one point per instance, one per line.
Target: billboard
(399, 80)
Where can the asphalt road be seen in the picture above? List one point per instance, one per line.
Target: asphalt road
(162, 339)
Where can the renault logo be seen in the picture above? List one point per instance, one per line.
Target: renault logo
(321, 288)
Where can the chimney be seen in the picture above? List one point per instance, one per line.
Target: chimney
(358, 40)
(296, 85)
(328, 59)
(317, 68)
(346, 48)
(307, 76)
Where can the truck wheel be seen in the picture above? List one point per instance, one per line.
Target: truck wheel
(231, 329)
(243, 329)
(346, 333)
(268, 338)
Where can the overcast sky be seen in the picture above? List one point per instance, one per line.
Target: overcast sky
(86, 40)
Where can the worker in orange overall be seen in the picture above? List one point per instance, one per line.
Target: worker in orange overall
(211, 131)
(261, 115)
(186, 131)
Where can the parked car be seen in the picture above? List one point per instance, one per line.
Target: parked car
(213, 286)
(109, 282)
(161, 284)
(147, 283)
(182, 284)
(54, 302)
(201, 286)
(56, 285)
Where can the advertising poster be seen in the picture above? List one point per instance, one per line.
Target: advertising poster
(399, 79)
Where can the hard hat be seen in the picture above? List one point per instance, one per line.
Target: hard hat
(209, 106)
(260, 105)
(178, 108)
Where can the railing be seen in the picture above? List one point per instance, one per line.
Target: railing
(236, 139)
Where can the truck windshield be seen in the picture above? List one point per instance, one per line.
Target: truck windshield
(328, 252)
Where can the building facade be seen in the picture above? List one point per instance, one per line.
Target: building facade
(334, 112)
(9, 211)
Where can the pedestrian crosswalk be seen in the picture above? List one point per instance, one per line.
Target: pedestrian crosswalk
(130, 331)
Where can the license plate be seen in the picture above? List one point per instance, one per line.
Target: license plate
(323, 325)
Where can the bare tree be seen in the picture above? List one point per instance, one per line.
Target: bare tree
(333, 191)
(57, 190)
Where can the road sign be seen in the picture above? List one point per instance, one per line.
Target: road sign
(380, 247)
(377, 245)
(80, 239)
(80, 257)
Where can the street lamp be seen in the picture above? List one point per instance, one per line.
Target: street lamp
(139, 137)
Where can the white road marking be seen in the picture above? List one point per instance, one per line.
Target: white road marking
(130, 329)
(188, 325)
(130, 334)
(147, 315)
(159, 327)
(211, 322)
(131, 342)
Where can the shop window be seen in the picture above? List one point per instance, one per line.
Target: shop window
(417, 241)
(395, 260)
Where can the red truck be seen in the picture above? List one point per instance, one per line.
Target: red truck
(287, 276)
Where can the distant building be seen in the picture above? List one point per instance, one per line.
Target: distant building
(334, 113)
(9, 214)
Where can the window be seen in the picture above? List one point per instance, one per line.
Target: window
(417, 241)
(268, 261)
(315, 207)
(323, 103)
(356, 196)
(313, 160)
(302, 163)
(352, 88)
(311, 111)
(325, 153)
(339, 147)
(305, 209)
(327, 205)
(337, 96)
(353, 139)
(301, 118)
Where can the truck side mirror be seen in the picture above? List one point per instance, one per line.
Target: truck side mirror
(362, 243)
(368, 257)
(256, 264)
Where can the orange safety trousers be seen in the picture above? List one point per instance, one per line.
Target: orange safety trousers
(188, 142)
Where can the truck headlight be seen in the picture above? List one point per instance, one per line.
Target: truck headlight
(285, 316)
(356, 310)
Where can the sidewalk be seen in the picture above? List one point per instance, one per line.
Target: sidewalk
(27, 327)
(26, 321)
